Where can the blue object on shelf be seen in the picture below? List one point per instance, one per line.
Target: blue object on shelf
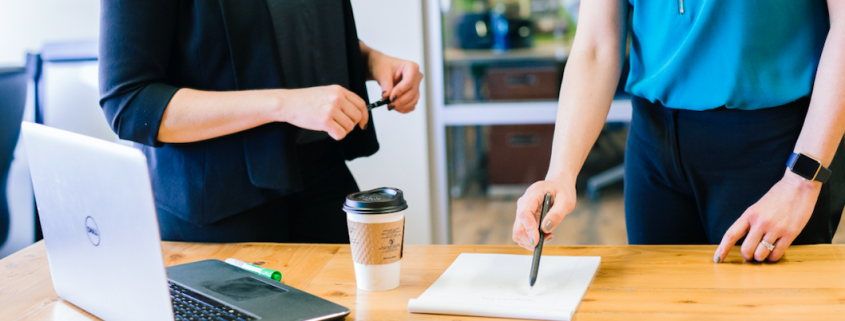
(474, 31)
(511, 33)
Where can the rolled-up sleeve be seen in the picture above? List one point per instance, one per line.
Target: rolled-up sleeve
(136, 42)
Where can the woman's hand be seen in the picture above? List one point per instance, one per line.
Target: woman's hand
(777, 218)
(332, 109)
(529, 206)
(399, 79)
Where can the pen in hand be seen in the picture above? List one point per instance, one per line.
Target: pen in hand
(538, 251)
(378, 103)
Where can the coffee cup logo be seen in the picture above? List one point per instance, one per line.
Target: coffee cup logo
(92, 230)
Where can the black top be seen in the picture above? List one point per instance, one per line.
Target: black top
(312, 46)
(149, 49)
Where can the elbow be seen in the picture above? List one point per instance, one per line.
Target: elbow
(135, 115)
(112, 111)
(602, 52)
(603, 46)
(110, 108)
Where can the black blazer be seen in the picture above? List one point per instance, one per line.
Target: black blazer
(149, 49)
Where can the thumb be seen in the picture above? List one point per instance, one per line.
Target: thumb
(385, 80)
(561, 206)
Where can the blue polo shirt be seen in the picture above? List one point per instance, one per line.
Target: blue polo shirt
(744, 54)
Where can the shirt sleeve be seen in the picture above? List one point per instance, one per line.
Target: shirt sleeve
(136, 41)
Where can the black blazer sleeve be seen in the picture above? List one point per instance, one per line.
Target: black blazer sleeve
(136, 39)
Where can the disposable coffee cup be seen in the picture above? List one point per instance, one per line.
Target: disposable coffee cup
(376, 223)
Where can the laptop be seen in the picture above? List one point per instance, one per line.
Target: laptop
(101, 232)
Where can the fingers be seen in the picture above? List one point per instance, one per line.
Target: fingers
(354, 114)
(332, 118)
(385, 80)
(762, 252)
(408, 78)
(734, 233)
(335, 130)
(530, 226)
(403, 79)
(519, 235)
(530, 201)
(361, 106)
(529, 207)
(749, 245)
(406, 103)
(523, 233)
(561, 206)
(342, 119)
(781, 245)
(343, 110)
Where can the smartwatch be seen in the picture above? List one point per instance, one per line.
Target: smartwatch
(808, 167)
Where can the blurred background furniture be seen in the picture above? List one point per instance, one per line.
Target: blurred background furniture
(17, 103)
(495, 74)
(58, 88)
(69, 90)
(12, 102)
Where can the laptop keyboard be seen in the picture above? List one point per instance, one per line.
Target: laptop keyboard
(191, 306)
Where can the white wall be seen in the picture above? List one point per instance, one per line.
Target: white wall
(27, 24)
(396, 28)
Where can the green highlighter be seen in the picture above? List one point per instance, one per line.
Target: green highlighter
(273, 274)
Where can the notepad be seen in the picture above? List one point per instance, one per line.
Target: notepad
(496, 285)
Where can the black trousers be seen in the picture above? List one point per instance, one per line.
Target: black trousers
(689, 175)
(313, 215)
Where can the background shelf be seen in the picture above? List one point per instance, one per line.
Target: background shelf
(519, 113)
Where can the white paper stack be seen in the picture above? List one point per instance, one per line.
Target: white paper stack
(496, 285)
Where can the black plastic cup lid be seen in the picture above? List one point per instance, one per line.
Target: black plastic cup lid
(382, 200)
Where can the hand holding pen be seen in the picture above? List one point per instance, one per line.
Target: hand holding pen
(529, 208)
(399, 79)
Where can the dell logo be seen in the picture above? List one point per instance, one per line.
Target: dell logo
(92, 231)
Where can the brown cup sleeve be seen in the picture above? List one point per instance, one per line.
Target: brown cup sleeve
(376, 243)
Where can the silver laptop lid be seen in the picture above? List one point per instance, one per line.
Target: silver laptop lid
(98, 217)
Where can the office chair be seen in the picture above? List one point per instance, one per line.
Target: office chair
(12, 101)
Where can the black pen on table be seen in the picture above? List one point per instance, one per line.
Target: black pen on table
(538, 251)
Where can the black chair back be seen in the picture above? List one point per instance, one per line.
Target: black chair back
(12, 101)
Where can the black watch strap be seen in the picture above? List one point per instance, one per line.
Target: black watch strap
(823, 174)
(808, 167)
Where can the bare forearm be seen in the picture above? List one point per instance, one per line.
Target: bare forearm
(368, 55)
(584, 103)
(194, 115)
(824, 125)
(589, 83)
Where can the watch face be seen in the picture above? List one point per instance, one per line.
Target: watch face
(805, 166)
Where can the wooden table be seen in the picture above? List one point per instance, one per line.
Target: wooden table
(633, 282)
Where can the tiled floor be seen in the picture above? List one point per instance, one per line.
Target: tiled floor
(484, 221)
